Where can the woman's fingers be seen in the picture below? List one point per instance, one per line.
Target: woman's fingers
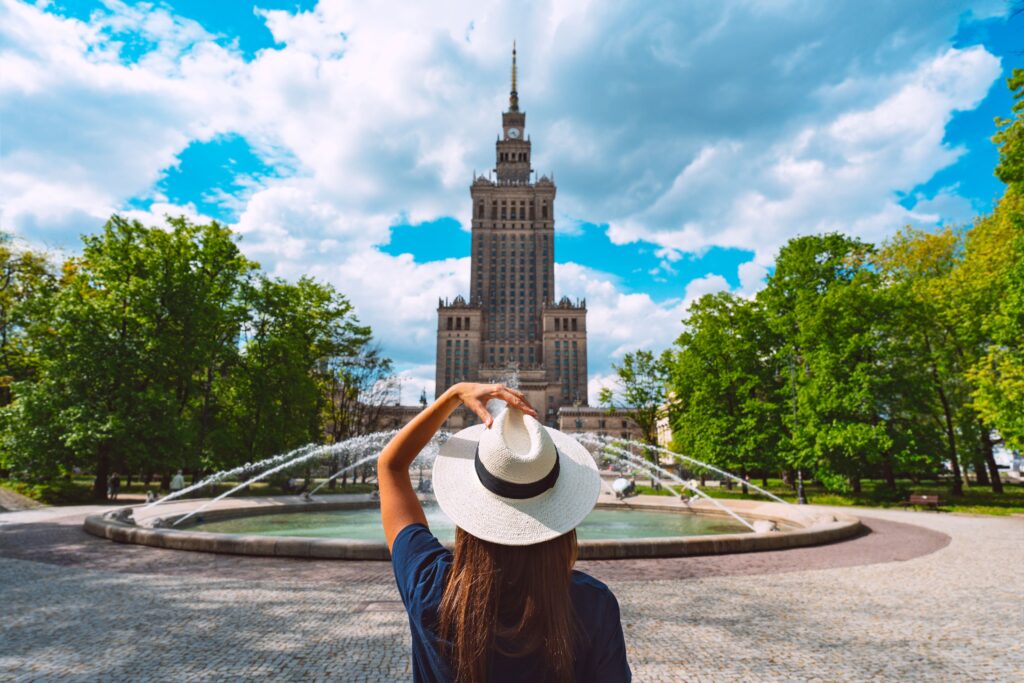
(514, 397)
(475, 397)
(519, 401)
(481, 412)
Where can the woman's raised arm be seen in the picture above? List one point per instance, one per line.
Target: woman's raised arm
(399, 506)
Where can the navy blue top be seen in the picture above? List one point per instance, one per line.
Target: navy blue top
(421, 562)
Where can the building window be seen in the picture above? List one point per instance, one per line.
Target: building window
(574, 324)
(600, 424)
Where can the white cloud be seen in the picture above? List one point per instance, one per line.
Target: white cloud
(414, 381)
(618, 323)
(687, 125)
(84, 132)
(946, 206)
(842, 173)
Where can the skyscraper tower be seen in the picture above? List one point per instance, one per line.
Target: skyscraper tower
(511, 320)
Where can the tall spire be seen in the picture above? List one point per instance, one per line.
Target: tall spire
(513, 98)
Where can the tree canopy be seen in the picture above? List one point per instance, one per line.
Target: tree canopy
(161, 348)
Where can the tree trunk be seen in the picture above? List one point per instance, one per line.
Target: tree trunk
(764, 482)
(743, 473)
(958, 481)
(855, 484)
(947, 414)
(887, 471)
(99, 484)
(204, 414)
(980, 470)
(990, 459)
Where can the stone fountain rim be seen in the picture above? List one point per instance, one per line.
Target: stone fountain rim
(802, 526)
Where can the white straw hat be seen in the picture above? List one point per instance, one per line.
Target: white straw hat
(517, 483)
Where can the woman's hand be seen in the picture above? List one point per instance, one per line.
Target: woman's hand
(476, 396)
(399, 506)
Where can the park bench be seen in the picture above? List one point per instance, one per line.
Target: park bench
(917, 499)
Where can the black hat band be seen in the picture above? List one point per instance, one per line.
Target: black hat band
(509, 489)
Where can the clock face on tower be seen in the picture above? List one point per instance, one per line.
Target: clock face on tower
(513, 133)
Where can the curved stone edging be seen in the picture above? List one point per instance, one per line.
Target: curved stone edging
(802, 527)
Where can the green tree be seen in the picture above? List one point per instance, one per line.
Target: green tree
(356, 387)
(25, 276)
(798, 312)
(945, 337)
(123, 346)
(639, 389)
(274, 395)
(994, 263)
(724, 388)
(1010, 136)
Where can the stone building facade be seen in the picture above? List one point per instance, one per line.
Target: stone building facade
(616, 424)
(512, 323)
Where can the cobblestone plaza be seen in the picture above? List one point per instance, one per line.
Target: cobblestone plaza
(924, 596)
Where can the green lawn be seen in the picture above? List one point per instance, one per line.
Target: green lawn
(78, 491)
(976, 499)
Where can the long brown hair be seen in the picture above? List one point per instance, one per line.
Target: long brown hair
(512, 599)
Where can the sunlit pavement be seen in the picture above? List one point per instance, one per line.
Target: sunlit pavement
(926, 596)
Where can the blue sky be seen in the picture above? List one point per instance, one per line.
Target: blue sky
(689, 140)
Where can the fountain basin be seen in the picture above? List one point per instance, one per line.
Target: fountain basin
(799, 527)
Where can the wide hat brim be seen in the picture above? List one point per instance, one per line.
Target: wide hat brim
(508, 521)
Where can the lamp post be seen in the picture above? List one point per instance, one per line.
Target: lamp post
(801, 497)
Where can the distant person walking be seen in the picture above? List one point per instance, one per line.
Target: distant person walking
(114, 486)
(177, 482)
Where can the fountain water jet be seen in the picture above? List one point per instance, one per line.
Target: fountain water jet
(224, 474)
(439, 438)
(699, 463)
(806, 529)
(315, 453)
(653, 469)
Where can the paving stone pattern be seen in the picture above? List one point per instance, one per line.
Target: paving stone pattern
(955, 614)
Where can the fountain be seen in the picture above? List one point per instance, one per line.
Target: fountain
(347, 526)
